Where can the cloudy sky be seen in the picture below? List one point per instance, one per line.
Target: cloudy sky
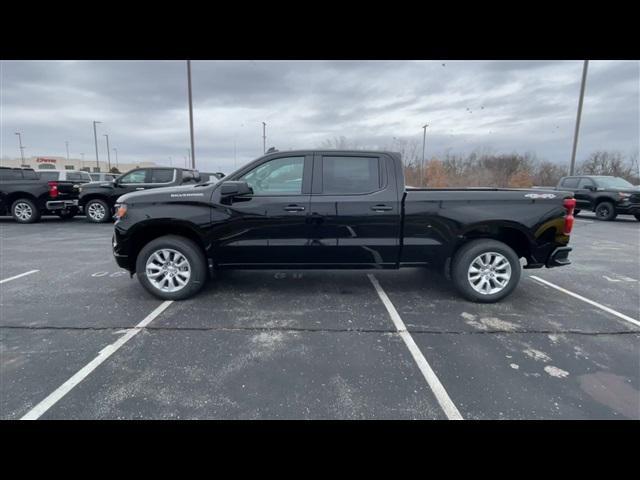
(502, 106)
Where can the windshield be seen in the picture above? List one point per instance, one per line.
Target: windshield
(613, 182)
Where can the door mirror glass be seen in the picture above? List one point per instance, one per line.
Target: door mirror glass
(235, 188)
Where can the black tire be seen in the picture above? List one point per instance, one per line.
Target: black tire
(196, 261)
(576, 212)
(68, 213)
(637, 215)
(468, 253)
(606, 211)
(97, 211)
(24, 210)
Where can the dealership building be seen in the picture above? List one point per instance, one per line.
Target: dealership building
(61, 163)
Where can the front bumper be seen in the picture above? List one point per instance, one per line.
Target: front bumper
(122, 258)
(559, 257)
(628, 208)
(61, 204)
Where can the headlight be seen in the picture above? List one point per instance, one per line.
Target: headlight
(121, 211)
(624, 195)
(79, 189)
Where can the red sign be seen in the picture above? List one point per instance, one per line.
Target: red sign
(46, 160)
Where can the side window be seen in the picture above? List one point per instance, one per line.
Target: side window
(137, 176)
(10, 174)
(161, 175)
(29, 174)
(350, 175)
(586, 182)
(48, 176)
(75, 177)
(280, 176)
(570, 182)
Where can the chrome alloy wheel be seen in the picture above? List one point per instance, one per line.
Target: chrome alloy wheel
(168, 270)
(489, 273)
(23, 211)
(96, 211)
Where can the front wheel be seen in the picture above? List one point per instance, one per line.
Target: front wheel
(171, 267)
(97, 211)
(605, 211)
(485, 270)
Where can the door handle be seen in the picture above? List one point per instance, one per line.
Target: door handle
(381, 208)
(294, 208)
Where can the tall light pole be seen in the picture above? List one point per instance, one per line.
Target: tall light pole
(21, 146)
(108, 154)
(264, 137)
(95, 138)
(116, 152)
(424, 144)
(82, 159)
(193, 153)
(575, 135)
(67, 145)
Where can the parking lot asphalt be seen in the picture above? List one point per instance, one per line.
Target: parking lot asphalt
(315, 344)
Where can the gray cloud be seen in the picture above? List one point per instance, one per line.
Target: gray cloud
(502, 106)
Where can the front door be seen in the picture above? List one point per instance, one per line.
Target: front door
(269, 227)
(583, 193)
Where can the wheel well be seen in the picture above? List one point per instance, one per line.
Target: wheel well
(18, 195)
(517, 240)
(95, 196)
(147, 234)
(603, 199)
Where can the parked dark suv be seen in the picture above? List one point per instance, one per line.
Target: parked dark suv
(98, 199)
(605, 195)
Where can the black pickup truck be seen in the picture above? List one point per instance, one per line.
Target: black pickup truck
(97, 199)
(338, 209)
(607, 196)
(27, 195)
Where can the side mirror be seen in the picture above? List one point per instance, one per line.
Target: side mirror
(234, 189)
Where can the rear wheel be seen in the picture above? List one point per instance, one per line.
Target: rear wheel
(576, 212)
(97, 211)
(171, 267)
(605, 211)
(485, 270)
(25, 211)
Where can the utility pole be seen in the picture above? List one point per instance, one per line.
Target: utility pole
(67, 145)
(264, 137)
(21, 147)
(424, 144)
(108, 154)
(575, 135)
(116, 151)
(95, 138)
(82, 160)
(193, 153)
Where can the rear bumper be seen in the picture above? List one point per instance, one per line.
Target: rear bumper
(61, 204)
(559, 257)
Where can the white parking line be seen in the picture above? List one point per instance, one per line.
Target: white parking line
(18, 276)
(590, 302)
(37, 411)
(450, 410)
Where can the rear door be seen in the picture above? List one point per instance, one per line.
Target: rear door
(582, 194)
(355, 210)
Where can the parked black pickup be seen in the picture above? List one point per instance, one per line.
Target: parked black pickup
(26, 195)
(605, 195)
(338, 209)
(98, 199)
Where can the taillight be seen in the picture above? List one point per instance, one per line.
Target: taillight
(53, 189)
(569, 205)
